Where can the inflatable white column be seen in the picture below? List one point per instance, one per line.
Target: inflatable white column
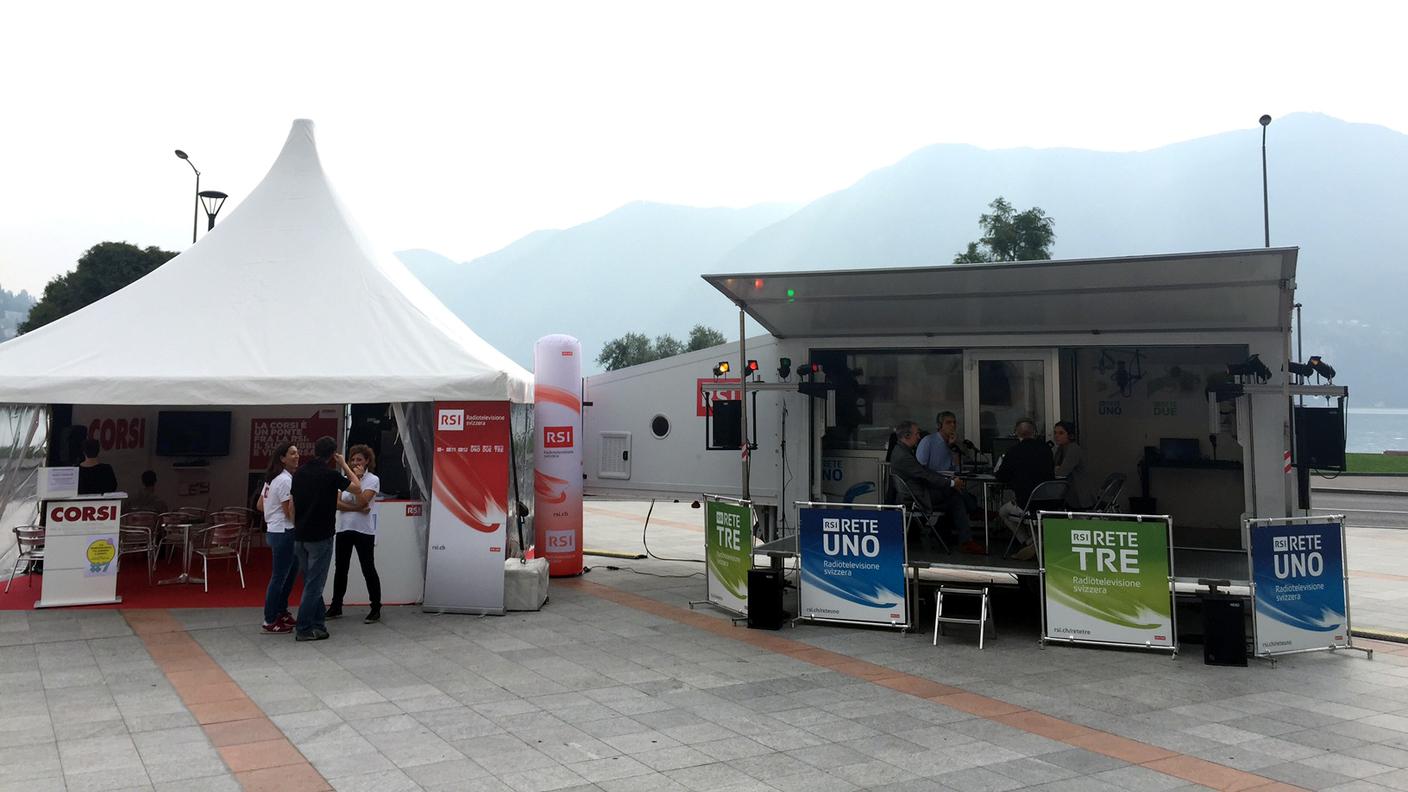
(557, 475)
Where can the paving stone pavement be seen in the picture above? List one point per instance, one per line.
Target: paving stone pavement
(617, 685)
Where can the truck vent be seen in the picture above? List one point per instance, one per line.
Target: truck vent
(615, 460)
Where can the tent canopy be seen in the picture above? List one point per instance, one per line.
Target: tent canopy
(1221, 290)
(285, 302)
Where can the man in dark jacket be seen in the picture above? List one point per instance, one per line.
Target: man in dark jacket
(1022, 468)
(932, 490)
(315, 491)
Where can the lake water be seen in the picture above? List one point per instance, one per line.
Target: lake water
(1372, 430)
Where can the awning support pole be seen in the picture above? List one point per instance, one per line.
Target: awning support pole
(743, 396)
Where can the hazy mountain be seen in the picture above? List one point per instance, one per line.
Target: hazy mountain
(635, 269)
(1336, 190)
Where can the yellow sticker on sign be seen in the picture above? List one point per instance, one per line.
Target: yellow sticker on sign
(100, 554)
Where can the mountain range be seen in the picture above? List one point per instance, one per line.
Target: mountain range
(1337, 190)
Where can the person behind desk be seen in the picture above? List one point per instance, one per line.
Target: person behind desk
(147, 499)
(94, 477)
(1070, 463)
(1023, 467)
(933, 490)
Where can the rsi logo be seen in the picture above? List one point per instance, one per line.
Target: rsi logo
(82, 513)
(557, 437)
(451, 420)
(561, 541)
(415, 509)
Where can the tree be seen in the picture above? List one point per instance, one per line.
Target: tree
(102, 270)
(701, 337)
(1011, 236)
(635, 348)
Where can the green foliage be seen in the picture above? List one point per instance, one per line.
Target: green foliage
(701, 337)
(1009, 235)
(103, 269)
(635, 348)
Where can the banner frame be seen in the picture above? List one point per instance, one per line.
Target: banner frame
(748, 504)
(904, 565)
(1041, 516)
(1248, 525)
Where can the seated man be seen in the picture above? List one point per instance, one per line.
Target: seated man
(933, 490)
(147, 499)
(1023, 467)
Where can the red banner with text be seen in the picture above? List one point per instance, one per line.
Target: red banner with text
(266, 433)
(469, 508)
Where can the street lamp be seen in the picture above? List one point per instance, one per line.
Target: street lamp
(195, 217)
(213, 200)
(1265, 203)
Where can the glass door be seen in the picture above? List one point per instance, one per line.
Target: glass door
(1003, 386)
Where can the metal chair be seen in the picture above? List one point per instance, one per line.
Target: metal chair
(1049, 495)
(200, 515)
(220, 541)
(29, 541)
(247, 521)
(929, 517)
(137, 534)
(1107, 500)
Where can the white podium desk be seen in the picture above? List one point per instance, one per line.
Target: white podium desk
(81, 550)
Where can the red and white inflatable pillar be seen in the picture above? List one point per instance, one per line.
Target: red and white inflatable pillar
(557, 475)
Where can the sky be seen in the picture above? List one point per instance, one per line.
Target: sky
(460, 127)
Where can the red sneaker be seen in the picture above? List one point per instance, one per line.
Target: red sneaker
(286, 618)
(279, 626)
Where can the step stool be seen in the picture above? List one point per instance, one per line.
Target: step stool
(984, 612)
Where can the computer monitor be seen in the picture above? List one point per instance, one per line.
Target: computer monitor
(1180, 449)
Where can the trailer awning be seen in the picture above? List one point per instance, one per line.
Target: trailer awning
(1212, 291)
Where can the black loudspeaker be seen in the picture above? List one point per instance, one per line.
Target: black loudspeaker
(1224, 630)
(765, 599)
(727, 424)
(1320, 438)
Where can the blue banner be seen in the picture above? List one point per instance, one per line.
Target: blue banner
(1298, 571)
(853, 565)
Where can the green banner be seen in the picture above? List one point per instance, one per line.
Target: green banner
(1107, 580)
(728, 552)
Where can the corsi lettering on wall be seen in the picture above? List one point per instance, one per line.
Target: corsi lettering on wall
(119, 434)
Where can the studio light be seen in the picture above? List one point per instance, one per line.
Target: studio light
(784, 368)
(1319, 366)
(1300, 369)
(808, 369)
(721, 369)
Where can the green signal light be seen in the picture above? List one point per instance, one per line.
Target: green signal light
(791, 295)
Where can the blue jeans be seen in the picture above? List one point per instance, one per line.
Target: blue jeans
(285, 573)
(313, 561)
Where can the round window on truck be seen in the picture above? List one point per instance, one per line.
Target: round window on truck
(660, 426)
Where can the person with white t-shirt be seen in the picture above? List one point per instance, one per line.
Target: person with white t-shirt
(356, 530)
(276, 501)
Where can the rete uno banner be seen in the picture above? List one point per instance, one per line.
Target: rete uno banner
(728, 553)
(853, 566)
(464, 568)
(1299, 585)
(1107, 581)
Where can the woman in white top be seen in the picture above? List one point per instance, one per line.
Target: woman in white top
(356, 530)
(276, 501)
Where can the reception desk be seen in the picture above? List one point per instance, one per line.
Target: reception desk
(80, 550)
(401, 532)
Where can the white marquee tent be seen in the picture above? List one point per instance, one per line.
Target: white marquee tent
(284, 302)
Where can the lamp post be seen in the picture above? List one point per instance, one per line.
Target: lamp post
(1265, 202)
(213, 200)
(195, 217)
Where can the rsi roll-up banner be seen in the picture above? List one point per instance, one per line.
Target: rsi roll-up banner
(557, 470)
(1107, 580)
(464, 567)
(1298, 583)
(728, 552)
(853, 564)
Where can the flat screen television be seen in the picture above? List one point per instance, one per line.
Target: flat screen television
(193, 433)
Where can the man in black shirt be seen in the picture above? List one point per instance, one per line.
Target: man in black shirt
(1023, 467)
(94, 477)
(314, 491)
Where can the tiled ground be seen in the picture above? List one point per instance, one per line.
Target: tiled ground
(616, 685)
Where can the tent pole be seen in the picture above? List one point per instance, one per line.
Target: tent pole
(743, 396)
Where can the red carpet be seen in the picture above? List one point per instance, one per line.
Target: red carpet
(132, 586)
